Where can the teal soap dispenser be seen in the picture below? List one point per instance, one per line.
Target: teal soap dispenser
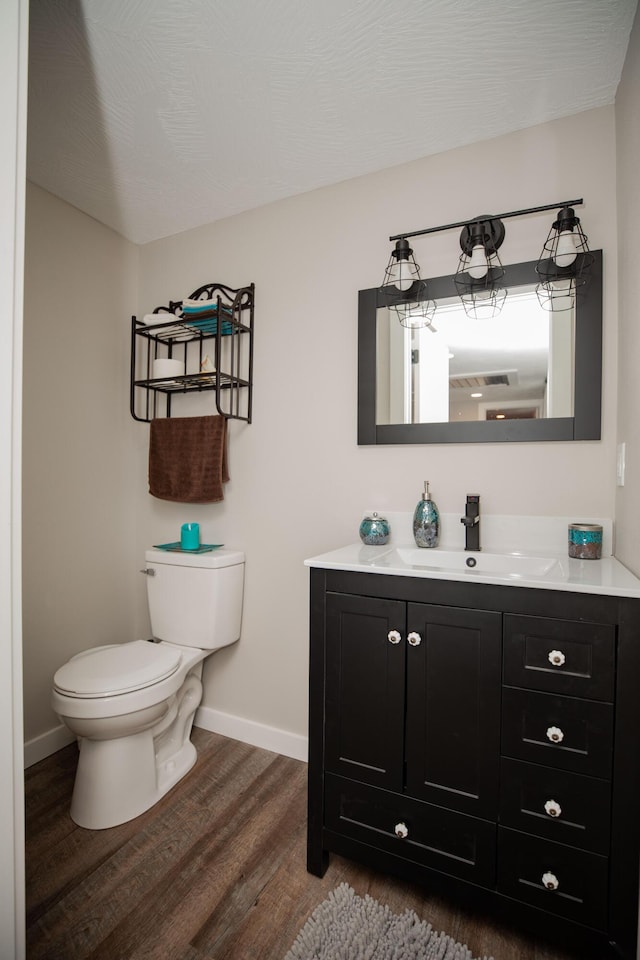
(426, 521)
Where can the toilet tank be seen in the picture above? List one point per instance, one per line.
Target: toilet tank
(195, 600)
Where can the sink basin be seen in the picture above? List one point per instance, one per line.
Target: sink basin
(512, 565)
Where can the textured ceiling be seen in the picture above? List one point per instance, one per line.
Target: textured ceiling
(155, 116)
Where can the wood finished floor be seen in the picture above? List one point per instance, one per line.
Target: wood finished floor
(215, 871)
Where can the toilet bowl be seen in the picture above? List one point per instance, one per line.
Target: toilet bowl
(132, 705)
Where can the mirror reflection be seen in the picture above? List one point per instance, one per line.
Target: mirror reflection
(518, 365)
(539, 372)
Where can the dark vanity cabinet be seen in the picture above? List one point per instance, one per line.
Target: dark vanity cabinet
(413, 707)
(482, 740)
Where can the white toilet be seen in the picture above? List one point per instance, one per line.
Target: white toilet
(132, 704)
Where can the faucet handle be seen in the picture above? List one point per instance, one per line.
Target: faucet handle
(473, 507)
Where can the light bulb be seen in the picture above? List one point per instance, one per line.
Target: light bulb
(478, 263)
(402, 274)
(566, 251)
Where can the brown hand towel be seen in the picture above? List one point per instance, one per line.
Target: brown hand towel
(188, 459)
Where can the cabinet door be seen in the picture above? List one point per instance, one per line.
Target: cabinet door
(453, 708)
(366, 652)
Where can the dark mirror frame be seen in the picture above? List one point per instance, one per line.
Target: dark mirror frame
(586, 421)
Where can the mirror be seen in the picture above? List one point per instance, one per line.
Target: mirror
(539, 372)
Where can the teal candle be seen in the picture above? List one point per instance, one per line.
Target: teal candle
(190, 536)
(585, 541)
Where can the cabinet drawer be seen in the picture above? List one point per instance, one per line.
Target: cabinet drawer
(450, 842)
(584, 729)
(577, 808)
(560, 656)
(529, 869)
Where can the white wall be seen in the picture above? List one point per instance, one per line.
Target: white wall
(628, 160)
(78, 483)
(299, 482)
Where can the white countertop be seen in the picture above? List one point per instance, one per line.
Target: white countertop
(605, 576)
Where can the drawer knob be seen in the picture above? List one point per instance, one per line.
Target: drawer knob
(414, 639)
(550, 881)
(401, 830)
(555, 734)
(393, 636)
(552, 808)
(557, 658)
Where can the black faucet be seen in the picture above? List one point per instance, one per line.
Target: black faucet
(471, 522)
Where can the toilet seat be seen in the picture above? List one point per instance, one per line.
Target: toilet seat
(112, 670)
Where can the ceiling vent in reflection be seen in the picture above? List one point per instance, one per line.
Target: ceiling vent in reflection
(472, 380)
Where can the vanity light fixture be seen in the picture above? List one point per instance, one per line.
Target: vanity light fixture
(404, 289)
(563, 265)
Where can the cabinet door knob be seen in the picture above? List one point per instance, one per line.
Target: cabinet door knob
(401, 830)
(552, 808)
(555, 734)
(550, 881)
(557, 658)
(414, 639)
(393, 636)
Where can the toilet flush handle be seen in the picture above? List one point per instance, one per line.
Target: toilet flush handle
(150, 572)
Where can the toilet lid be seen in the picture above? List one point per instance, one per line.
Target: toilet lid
(108, 671)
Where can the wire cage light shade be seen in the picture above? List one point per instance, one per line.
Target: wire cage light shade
(481, 300)
(402, 270)
(405, 292)
(415, 313)
(477, 279)
(563, 265)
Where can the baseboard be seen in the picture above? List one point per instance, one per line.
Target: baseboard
(248, 731)
(46, 744)
(257, 734)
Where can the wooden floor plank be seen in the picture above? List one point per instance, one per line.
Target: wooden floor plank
(149, 849)
(249, 932)
(59, 853)
(215, 871)
(221, 875)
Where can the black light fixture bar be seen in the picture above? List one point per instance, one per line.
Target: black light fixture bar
(497, 216)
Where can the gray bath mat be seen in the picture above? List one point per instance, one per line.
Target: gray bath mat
(349, 927)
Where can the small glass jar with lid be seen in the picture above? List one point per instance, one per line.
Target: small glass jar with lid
(374, 530)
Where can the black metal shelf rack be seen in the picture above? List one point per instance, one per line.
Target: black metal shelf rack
(224, 336)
